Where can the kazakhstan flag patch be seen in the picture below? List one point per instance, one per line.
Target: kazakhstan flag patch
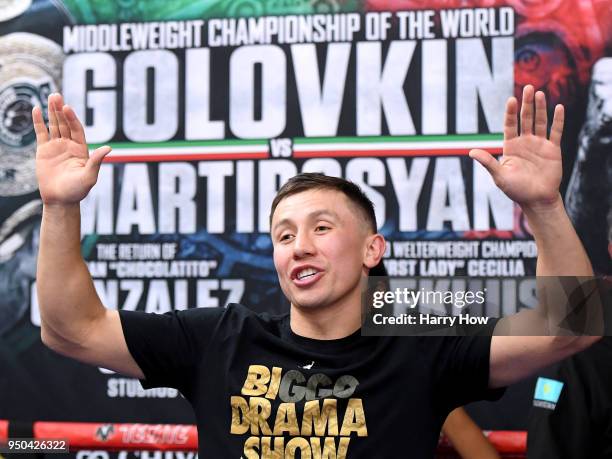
(547, 393)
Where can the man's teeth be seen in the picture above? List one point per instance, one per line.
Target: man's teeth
(306, 272)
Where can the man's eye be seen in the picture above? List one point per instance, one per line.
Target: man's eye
(321, 228)
(285, 237)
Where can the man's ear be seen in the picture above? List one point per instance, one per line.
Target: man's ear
(374, 250)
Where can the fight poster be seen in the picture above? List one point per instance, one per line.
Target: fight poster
(210, 106)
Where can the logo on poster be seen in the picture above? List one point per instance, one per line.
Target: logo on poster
(104, 432)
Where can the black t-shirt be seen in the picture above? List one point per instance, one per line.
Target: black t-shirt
(258, 389)
(572, 407)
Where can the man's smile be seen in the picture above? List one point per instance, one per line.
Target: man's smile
(305, 275)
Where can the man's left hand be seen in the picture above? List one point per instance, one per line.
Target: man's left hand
(529, 171)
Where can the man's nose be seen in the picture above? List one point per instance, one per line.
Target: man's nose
(303, 245)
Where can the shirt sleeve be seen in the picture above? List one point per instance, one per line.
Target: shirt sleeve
(462, 371)
(169, 347)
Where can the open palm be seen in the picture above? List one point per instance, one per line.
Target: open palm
(65, 170)
(530, 170)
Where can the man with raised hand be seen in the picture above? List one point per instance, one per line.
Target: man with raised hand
(307, 381)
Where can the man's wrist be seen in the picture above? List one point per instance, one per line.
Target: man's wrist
(61, 207)
(61, 212)
(544, 210)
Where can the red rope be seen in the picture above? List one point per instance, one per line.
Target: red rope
(3, 430)
(179, 437)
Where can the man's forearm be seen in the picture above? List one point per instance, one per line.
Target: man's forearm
(466, 437)
(67, 299)
(560, 252)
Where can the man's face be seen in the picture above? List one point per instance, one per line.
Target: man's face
(320, 248)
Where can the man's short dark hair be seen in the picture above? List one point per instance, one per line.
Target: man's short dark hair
(316, 181)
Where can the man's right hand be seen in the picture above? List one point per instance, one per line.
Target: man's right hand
(74, 322)
(65, 170)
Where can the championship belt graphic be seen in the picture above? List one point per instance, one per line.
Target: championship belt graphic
(30, 69)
